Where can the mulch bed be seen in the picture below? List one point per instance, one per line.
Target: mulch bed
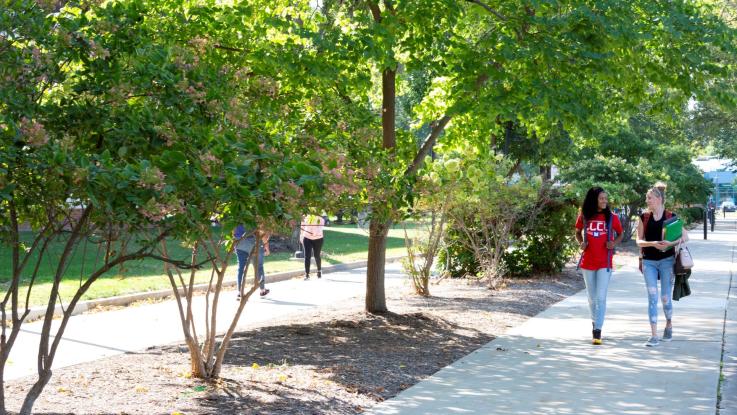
(336, 359)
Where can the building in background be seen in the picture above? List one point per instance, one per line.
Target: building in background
(721, 172)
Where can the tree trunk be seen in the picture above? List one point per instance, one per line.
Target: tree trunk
(35, 392)
(508, 131)
(198, 369)
(378, 229)
(627, 222)
(546, 172)
(2, 389)
(375, 296)
(388, 108)
(294, 243)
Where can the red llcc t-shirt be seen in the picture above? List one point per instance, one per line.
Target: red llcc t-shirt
(595, 255)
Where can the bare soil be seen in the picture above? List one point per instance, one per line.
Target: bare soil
(332, 360)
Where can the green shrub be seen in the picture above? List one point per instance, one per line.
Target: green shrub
(517, 261)
(455, 258)
(547, 245)
(691, 214)
(543, 249)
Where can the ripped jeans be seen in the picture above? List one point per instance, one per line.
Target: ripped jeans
(651, 270)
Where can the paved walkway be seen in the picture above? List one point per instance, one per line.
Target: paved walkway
(548, 366)
(96, 335)
(545, 366)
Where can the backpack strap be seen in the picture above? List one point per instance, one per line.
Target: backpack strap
(580, 259)
(609, 237)
(645, 219)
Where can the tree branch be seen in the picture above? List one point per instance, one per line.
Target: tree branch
(141, 253)
(489, 9)
(180, 263)
(438, 127)
(375, 11)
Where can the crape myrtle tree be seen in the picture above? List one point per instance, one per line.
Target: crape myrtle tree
(541, 66)
(75, 168)
(127, 123)
(281, 154)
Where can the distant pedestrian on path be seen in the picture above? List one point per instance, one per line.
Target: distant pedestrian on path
(311, 237)
(244, 245)
(658, 259)
(596, 227)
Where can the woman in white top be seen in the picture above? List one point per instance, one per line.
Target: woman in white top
(311, 236)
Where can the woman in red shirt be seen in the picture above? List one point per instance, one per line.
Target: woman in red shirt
(595, 229)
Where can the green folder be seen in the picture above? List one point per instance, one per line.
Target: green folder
(672, 230)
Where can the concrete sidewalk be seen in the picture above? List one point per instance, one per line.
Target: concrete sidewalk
(548, 366)
(97, 335)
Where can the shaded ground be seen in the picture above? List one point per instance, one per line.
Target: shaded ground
(335, 360)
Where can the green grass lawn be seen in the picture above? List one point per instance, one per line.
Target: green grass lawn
(343, 244)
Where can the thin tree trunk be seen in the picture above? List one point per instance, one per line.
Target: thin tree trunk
(197, 365)
(375, 296)
(508, 131)
(35, 392)
(627, 222)
(48, 352)
(2, 389)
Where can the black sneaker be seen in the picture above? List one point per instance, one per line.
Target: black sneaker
(597, 337)
(264, 292)
(319, 274)
(307, 277)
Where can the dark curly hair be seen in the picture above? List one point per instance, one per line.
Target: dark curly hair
(590, 207)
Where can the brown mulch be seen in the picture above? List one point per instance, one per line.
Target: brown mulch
(335, 360)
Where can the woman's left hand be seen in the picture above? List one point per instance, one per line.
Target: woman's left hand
(662, 245)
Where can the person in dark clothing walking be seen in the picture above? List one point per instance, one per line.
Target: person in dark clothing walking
(245, 241)
(311, 236)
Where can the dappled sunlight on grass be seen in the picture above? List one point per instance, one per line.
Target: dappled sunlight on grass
(343, 244)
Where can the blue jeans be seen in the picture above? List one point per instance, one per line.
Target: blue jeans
(651, 270)
(597, 284)
(243, 260)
